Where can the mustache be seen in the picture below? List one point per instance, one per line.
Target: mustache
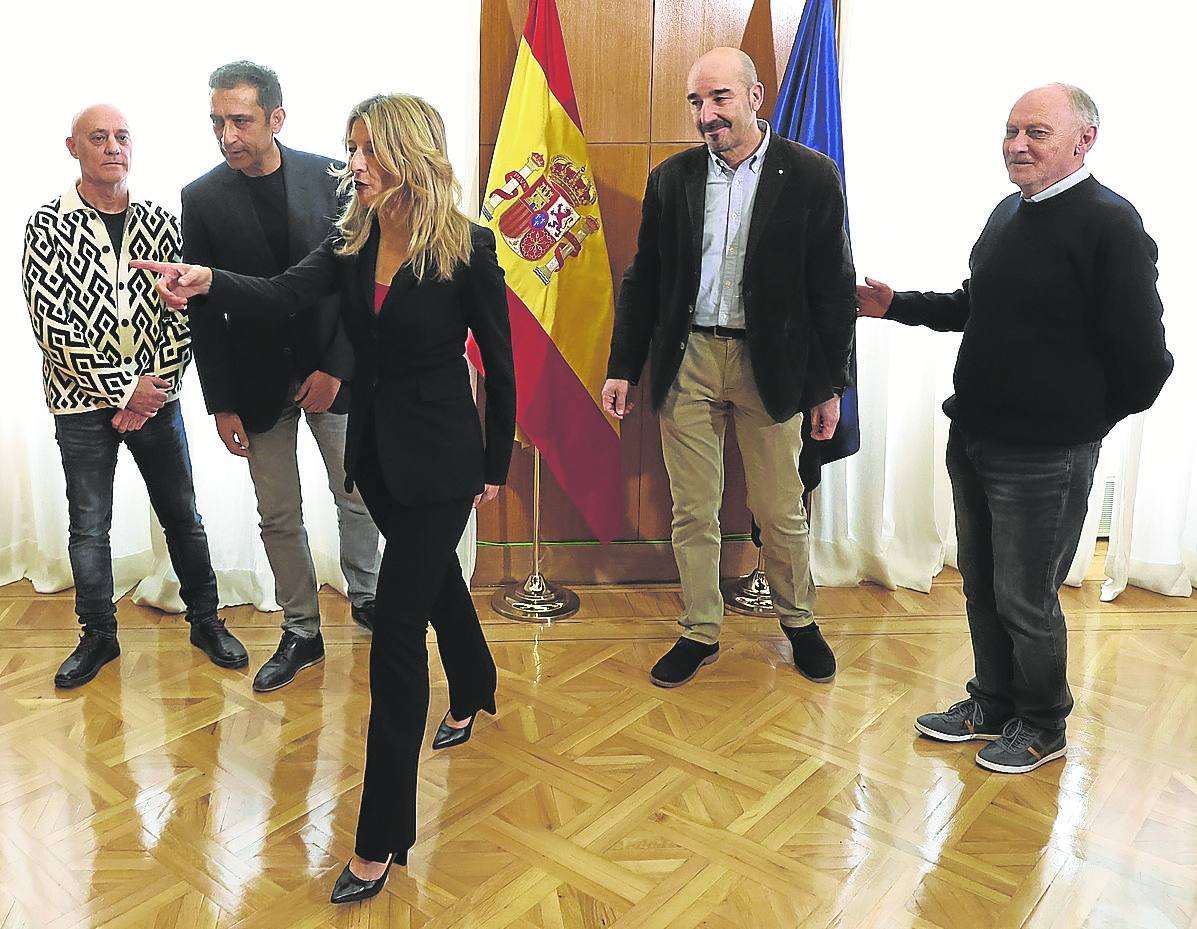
(718, 123)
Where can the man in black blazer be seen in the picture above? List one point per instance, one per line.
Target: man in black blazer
(744, 288)
(259, 212)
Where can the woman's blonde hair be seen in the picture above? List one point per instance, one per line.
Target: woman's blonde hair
(408, 136)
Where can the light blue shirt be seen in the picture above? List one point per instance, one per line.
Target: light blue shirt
(730, 195)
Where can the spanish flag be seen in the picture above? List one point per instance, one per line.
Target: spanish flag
(542, 204)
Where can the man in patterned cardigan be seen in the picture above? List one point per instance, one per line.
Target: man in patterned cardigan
(113, 368)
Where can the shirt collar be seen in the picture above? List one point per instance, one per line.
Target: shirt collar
(1061, 185)
(753, 161)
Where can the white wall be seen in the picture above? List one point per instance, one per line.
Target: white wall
(927, 86)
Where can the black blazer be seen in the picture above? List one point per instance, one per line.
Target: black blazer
(247, 361)
(799, 286)
(412, 384)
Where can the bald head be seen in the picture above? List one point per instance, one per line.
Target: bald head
(724, 65)
(96, 114)
(725, 96)
(101, 142)
(1062, 99)
(1048, 133)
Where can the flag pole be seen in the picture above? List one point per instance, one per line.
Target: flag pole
(537, 599)
(750, 594)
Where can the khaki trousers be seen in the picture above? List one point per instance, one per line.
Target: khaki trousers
(715, 382)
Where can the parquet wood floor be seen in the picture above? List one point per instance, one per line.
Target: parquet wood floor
(166, 795)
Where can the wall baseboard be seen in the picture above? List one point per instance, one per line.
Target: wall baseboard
(592, 563)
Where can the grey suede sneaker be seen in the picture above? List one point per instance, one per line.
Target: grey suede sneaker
(1022, 748)
(961, 722)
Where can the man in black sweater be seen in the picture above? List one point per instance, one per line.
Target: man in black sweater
(1062, 339)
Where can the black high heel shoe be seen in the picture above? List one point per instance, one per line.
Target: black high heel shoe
(446, 736)
(350, 888)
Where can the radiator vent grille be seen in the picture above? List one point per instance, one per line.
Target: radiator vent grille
(1107, 510)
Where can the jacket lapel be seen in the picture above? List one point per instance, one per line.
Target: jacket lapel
(404, 280)
(303, 189)
(366, 259)
(696, 199)
(768, 189)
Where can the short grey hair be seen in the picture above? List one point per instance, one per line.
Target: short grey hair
(259, 77)
(1082, 105)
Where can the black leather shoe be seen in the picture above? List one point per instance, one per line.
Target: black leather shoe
(447, 737)
(350, 888)
(364, 615)
(95, 649)
(812, 655)
(682, 662)
(294, 653)
(212, 638)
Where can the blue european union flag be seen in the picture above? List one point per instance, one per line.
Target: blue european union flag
(808, 111)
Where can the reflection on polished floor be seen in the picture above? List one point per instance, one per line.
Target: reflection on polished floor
(165, 794)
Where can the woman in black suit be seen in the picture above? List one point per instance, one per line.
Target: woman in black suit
(413, 274)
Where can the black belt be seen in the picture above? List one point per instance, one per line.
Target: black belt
(719, 332)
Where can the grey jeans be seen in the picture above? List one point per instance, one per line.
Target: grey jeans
(274, 468)
(1019, 514)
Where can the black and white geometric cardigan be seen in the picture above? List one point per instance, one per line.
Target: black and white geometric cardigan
(100, 324)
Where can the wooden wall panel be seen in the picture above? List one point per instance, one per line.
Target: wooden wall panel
(629, 60)
(609, 45)
(682, 31)
(610, 50)
(621, 172)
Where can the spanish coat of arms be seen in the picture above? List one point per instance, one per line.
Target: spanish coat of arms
(543, 216)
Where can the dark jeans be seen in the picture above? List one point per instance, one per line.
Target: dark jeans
(1019, 513)
(420, 580)
(88, 445)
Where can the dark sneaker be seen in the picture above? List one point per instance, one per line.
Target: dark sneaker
(95, 649)
(212, 638)
(364, 615)
(1022, 748)
(682, 662)
(293, 655)
(961, 722)
(812, 655)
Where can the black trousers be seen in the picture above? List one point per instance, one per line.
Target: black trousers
(420, 580)
(1019, 514)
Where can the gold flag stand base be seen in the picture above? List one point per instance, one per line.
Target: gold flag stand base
(537, 599)
(749, 595)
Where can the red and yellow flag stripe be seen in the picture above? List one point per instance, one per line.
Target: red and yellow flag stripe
(542, 203)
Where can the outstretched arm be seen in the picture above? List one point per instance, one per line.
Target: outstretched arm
(299, 286)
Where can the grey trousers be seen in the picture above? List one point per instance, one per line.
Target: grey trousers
(274, 468)
(1019, 514)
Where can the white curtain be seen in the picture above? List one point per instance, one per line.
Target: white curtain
(56, 58)
(927, 85)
